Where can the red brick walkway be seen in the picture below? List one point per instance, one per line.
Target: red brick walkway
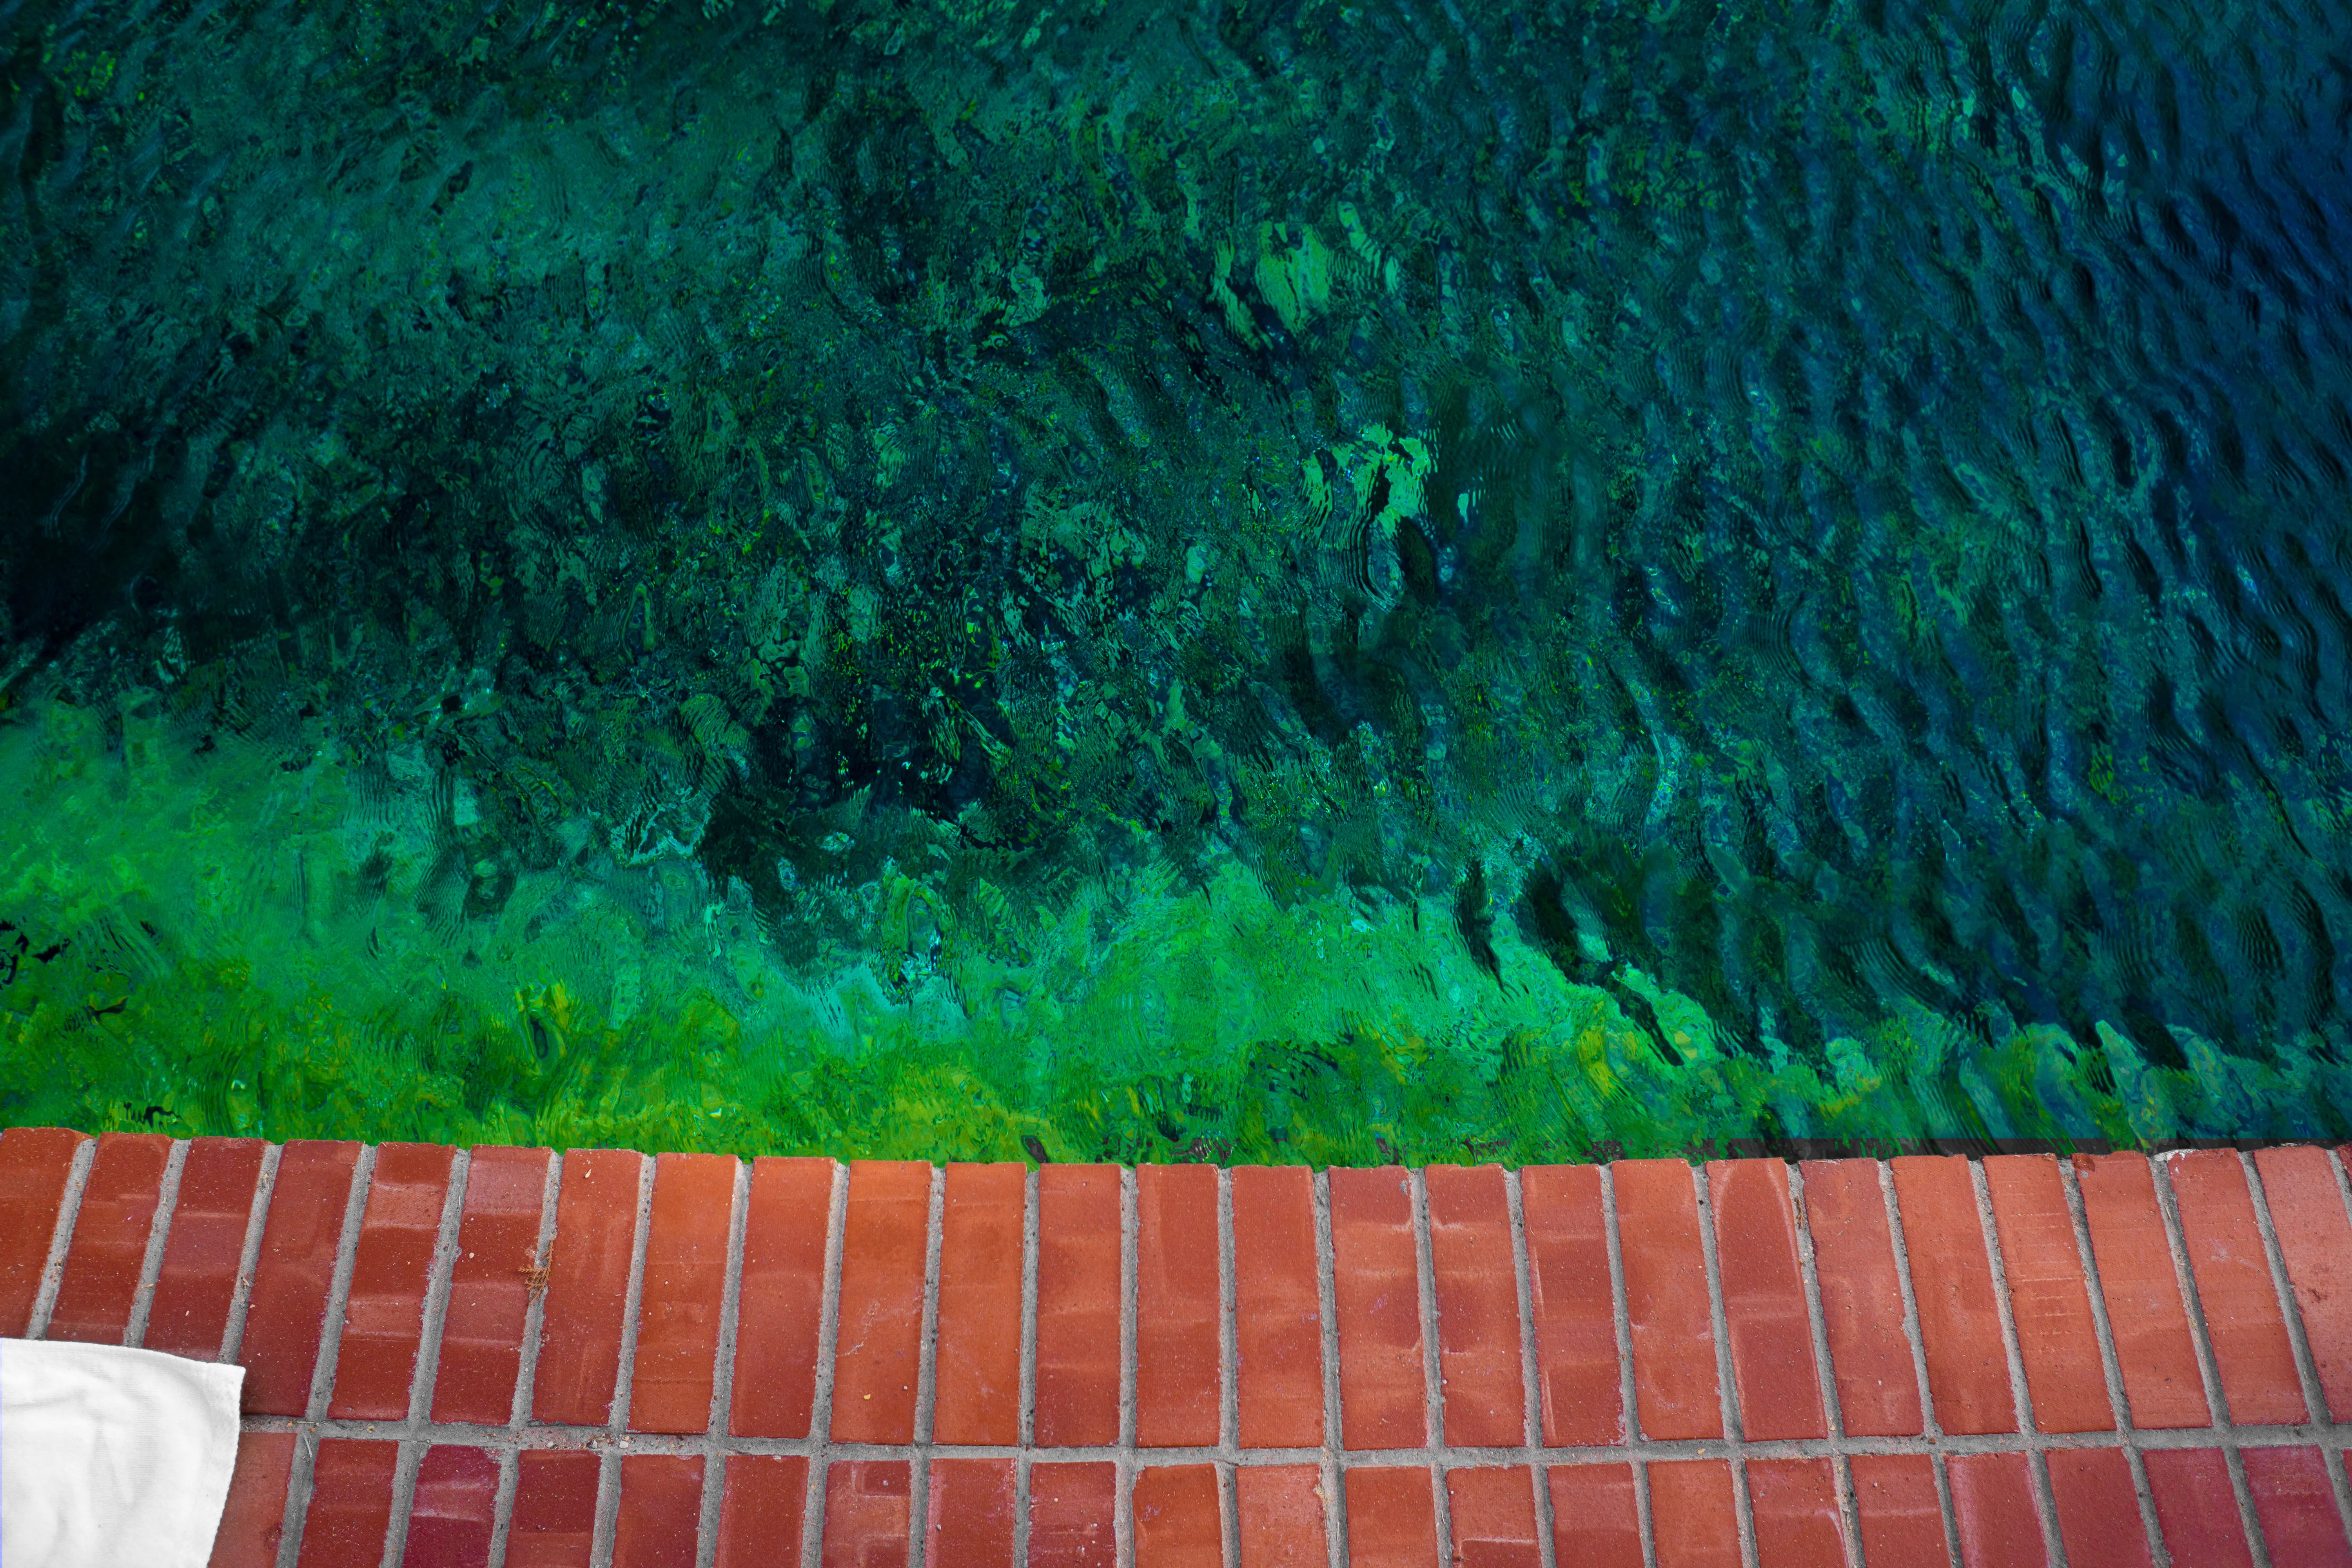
(464, 1358)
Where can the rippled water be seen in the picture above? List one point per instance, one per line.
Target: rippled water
(1314, 580)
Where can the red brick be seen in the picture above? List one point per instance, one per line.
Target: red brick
(288, 1313)
(1693, 1520)
(1178, 1297)
(1376, 1276)
(971, 1513)
(2048, 1297)
(2295, 1503)
(1666, 1299)
(868, 1513)
(490, 1288)
(1281, 1516)
(454, 1511)
(878, 1353)
(391, 1268)
(686, 1283)
(1491, 1509)
(351, 1504)
(1477, 1288)
(1392, 1517)
(554, 1522)
(1764, 1315)
(1278, 1310)
(204, 1247)
(979, 1381)
(1179, 1518)
(1795, 1506)
(782, 1297)
(1994, 1509)
(2098, 1509)
(660, 1518)
(1578, 1382)
(2317, 1243)
(2197, 1508)
(1594, 1520)
(1951, 1280)
(2235, 1293)
(253, 1522)
(108, 1251)
(2137, 1280)
(35, 1162)
(1862, 1298)
(762, 1505)
(587, 1285)
(1900, 1519)
(1073, 1513)
(1077, 1305)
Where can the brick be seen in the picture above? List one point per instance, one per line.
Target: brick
(1694, 1521)
(762, 1506)
(1072, 1515)
(1573, 1302)
(1862, 1298)
(35, 1162)
(659, 1522)
(205, 1246)
(2316, 1242)
(2049, 1298)
(2197, 1508)
(1478, 1290)
(1281, 1511)
(391, 1267)
(1278, 1309)
(489, 1286)
(454, 1511)
(1179, 1518)
(1666, 1299)
(1392, 1517)
(1794, 1503)
(109, 1250)
(2295, 1503)
(1376, 1279)
(971, 1510)
(884, 1240)
(1179, 1299)
(1078, 1300)
(781, 1303)
(1897, 1512)
(1594, 1520)
(1951, 1280)
(1491, 1509)
(868, 1514)
(554, 1521)
(587, 1287)
(351, 1504)
(2145, 1315)
(671, 1380)
(253, 1522)
(2235, 1294)
(1764, 1315)
(2098, 1509)
(1994, 1509)
(288, 1313)
(979, 1381)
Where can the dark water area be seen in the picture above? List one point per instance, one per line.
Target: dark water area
(1307, 580)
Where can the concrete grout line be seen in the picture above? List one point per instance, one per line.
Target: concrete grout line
(298, 1476)
(1930, 1426)
(1131, 1242)
(502, 1502)
(519, 1409)
(53, 1271)
(1229, 1396)
(926, 1372)
(1029, 1245)
(1727, 1384)
(159, 1231)
(722, 1371)
(1630, 1416)
(2208, 1370)
(1332, 1452)
(338, 1290)
(1432, 1365)
(1817, 1326)
(2103, 1334)
(608, 1478)
(1531, 1391)
(425, 1368)
(819, 1445)
(264, 1187)
(2021, 1398)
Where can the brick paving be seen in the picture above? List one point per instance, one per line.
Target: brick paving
(457, 1358)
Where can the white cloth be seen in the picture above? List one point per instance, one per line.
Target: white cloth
(113, 1458)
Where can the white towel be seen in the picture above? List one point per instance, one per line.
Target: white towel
(113, 1458)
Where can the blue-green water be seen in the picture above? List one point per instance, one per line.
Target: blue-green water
(1269, 580)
